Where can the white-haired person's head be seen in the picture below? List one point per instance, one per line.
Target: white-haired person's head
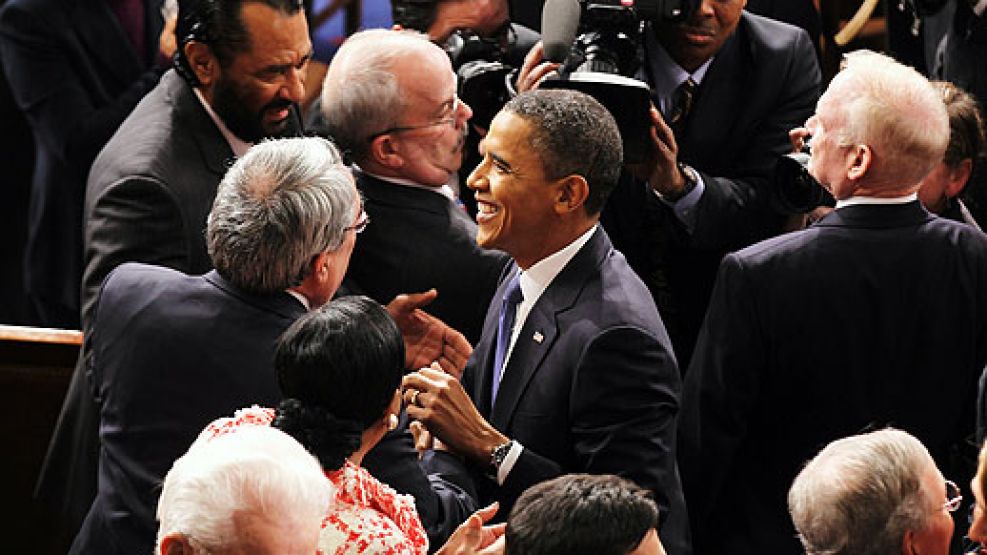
(254, 491)
(879, 128)
(878, 493)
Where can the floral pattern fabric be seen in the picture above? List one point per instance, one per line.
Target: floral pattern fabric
(368, 516)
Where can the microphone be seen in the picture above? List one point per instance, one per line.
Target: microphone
(559, 22)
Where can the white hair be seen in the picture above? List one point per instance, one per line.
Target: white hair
(896, 112)
(361, 94)
(860, 495)
(257, 470)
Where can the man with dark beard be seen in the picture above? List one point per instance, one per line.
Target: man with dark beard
(238, 73)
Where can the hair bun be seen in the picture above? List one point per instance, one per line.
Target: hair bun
(329, 438)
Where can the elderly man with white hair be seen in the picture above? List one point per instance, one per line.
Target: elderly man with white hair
(875, 315)
(879, 493)
(256, 491)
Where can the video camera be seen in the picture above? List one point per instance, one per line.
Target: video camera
(597, 43)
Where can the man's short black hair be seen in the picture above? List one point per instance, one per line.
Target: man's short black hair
(580, 514)
(418, 15)
(574, 135)
(219, 24)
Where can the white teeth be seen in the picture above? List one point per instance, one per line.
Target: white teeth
(485, 208)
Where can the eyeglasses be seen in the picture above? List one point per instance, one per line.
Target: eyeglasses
(361, 223)
(954, 497)
(454, 110)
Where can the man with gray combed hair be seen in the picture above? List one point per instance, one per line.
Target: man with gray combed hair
(254, 491)
(389, 99)
(170, 352)
(874, 315)
(873, 494)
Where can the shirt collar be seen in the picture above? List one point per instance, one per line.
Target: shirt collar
(447, 190)
(666, 73)
(536, 279)
(853, 201)
(237, 145)
(301, 298)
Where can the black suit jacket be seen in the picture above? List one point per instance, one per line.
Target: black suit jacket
(875, 316)
(168, 353)
(591, 385)
(147, 199)
(76, 76)
(417, 240)
(763, 82)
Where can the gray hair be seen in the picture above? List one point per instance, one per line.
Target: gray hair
(361, 94)
(894, 110)
(860, 495)
(573, 134)
(256, 469)
(283, 203)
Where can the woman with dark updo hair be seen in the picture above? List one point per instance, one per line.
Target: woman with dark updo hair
(339, 369)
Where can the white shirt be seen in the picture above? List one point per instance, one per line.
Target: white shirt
(447, 190)
(237, 145)
(853, 201)
(534, 281)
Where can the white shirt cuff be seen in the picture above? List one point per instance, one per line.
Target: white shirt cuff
(508, 464)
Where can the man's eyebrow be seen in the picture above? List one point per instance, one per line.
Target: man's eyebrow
(284, 67)
(500, 161)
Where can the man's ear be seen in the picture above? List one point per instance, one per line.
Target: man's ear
(861, 159)
(908, 543)
(176, 544)
(202, 61)
(571, 194)
(958, 176)
(386, 152)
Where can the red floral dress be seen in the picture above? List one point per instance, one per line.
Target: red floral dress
(368, 516)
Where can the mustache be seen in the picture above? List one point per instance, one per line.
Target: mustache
(278, 104)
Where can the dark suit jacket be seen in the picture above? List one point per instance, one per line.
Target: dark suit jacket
(591, 385)
(76, 76)
(417, 240)
(169, 353)
(875, 316)
(148, 196)
(763, 82)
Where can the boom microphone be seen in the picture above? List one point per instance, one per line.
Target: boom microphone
(559, 22)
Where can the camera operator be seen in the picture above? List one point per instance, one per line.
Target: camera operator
(726, 86)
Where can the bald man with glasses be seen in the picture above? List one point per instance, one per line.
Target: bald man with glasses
(390, 101)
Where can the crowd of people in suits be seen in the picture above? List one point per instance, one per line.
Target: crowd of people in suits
(667, 323)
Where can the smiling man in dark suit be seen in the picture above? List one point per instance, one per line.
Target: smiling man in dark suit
(584, 380)
(874, 316)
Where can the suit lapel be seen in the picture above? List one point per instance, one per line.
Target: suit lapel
(718, 103)
(216, 152)
(541, 329)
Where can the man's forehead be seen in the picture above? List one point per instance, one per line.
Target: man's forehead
(274, 36)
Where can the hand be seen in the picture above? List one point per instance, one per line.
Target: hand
(533, 71)
(438, 400)
(473, 538)
(662, 169)
(426, 338)
(166, 40)
(798, 136)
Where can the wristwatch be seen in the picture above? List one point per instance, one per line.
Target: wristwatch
(691, 177)
(498, 455)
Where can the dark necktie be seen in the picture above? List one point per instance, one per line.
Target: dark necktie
(682, 100)
(130, 15)
(505, 324)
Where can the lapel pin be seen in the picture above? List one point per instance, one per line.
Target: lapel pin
(539, 337)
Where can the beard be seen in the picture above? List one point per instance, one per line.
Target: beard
(232, 107)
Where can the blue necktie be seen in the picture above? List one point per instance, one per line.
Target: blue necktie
(505, 324)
